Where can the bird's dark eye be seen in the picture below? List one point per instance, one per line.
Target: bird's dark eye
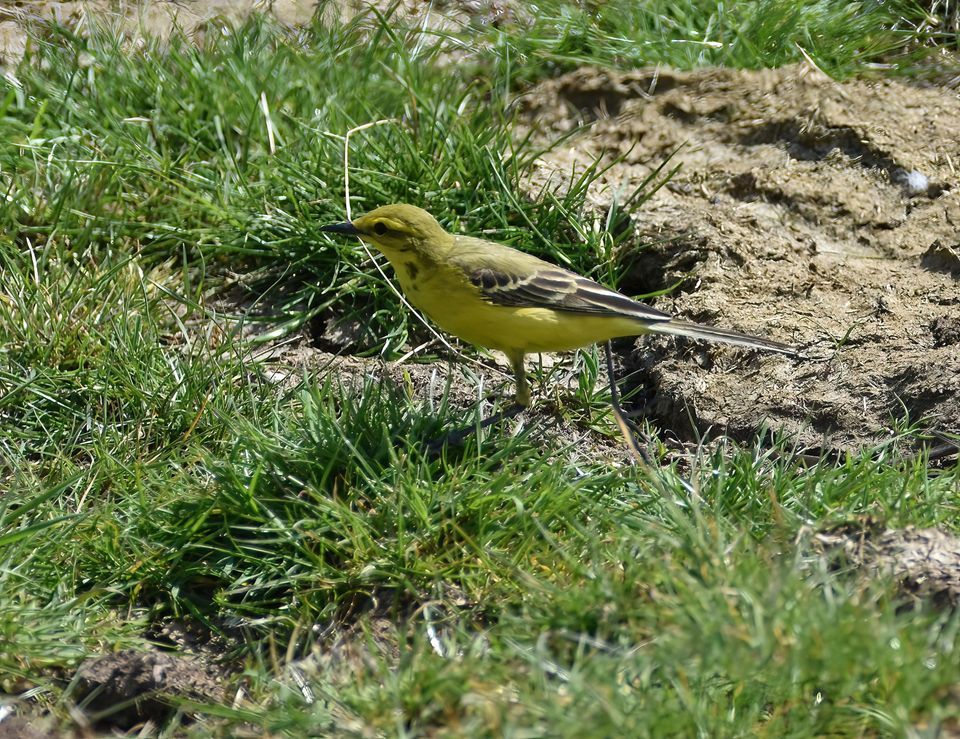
(379, 228)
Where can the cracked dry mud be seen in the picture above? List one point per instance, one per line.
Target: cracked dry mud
(818, 213)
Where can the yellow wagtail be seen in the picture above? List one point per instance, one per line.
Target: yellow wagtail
(500, 298)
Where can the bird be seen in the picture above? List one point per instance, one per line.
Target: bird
(498, 297)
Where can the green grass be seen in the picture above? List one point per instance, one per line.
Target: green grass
(842, 38)
(153, 469)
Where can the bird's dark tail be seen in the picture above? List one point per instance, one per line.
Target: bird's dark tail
(709, 333)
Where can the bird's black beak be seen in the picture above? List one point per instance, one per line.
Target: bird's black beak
(346, 228)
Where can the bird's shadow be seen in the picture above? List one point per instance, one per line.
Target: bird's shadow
(457, 438)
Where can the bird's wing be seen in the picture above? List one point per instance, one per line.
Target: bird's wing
(553, 287)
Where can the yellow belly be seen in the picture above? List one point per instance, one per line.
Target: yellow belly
(532, 330)
(508, 328)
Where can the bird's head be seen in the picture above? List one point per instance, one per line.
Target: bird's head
(396, 229)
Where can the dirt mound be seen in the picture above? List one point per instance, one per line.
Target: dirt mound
(815, 212)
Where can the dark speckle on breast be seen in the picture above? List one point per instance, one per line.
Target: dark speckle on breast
(412, 270)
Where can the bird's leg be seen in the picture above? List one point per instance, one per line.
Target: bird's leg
(522, 397)
(627, 428)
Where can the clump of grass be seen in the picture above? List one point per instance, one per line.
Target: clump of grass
(841, 38)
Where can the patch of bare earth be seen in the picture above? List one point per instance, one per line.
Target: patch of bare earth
(135, 689)
(925, 563)
(818, 213)
(126, 689)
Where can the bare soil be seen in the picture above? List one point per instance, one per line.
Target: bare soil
(819, 213)
(925, 563)
(124, 689)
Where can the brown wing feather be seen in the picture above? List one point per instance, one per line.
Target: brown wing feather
(558, 289)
